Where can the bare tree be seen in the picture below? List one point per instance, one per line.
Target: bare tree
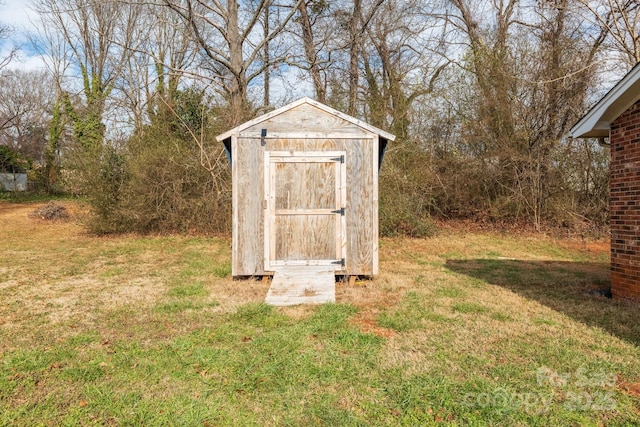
(530, 72)
(620, 22)
(5, 38)
(358, 21)
(400, 62)
(228, 35)
(162, 56)
(306, 23)
(26, 102)
(97, 34)
(6, 117)
(26, 98)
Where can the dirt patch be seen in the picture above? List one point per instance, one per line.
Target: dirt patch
(366, 323)
(632, 389)
(595, 247)
(372, 297)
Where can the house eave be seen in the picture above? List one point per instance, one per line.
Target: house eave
(599, 130)
(597, 121)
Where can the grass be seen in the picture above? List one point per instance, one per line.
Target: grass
(458, 329)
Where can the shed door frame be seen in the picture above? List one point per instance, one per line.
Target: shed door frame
(271, 158)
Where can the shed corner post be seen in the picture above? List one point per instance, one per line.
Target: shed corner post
(234, 205)
(376, 204)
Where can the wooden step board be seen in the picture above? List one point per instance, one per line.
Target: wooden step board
(295, 285)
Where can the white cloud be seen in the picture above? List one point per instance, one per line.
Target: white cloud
(28, 62)
(20, 18)
(17, 14)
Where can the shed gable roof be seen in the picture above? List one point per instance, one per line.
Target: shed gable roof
(300, 104)
(597, 121)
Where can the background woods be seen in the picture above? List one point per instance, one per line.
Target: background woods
(479, 94)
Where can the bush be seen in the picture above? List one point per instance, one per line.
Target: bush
(405, 199)
(161, 179)
(169, 190)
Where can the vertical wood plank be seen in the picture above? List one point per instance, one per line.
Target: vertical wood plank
(268, 213)
(249, 215)
(359, 198)
(271, 207)
(339, 203)
(342, 169)
(375, 147)
(235, 270)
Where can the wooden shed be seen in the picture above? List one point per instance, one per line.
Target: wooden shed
(615, 120)
(305, 191)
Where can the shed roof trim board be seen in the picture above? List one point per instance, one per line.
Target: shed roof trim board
(597, 122)
(297, 103)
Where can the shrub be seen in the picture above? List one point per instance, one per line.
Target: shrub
(169, 190)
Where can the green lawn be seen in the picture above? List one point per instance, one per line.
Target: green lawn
(460, 329)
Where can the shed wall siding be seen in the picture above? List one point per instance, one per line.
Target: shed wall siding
(361, 198)
(248, 216)
(625, 204)
(305, 118)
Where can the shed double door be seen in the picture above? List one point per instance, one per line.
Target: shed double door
(305, 201)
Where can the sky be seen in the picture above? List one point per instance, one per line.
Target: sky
(15, 12)
(17, 15)
(286, 84)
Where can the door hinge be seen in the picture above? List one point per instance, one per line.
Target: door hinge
(340, 262)
(263, 136)
(339, 211)
(264, 204)
(338, 159)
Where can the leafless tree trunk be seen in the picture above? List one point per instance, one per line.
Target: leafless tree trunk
(98, 34)
(267, 59)
(226, 34)
(399, 64)
(164, 53)
(311, 55)
(355, 31)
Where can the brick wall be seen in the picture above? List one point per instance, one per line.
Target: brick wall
(625, 204)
